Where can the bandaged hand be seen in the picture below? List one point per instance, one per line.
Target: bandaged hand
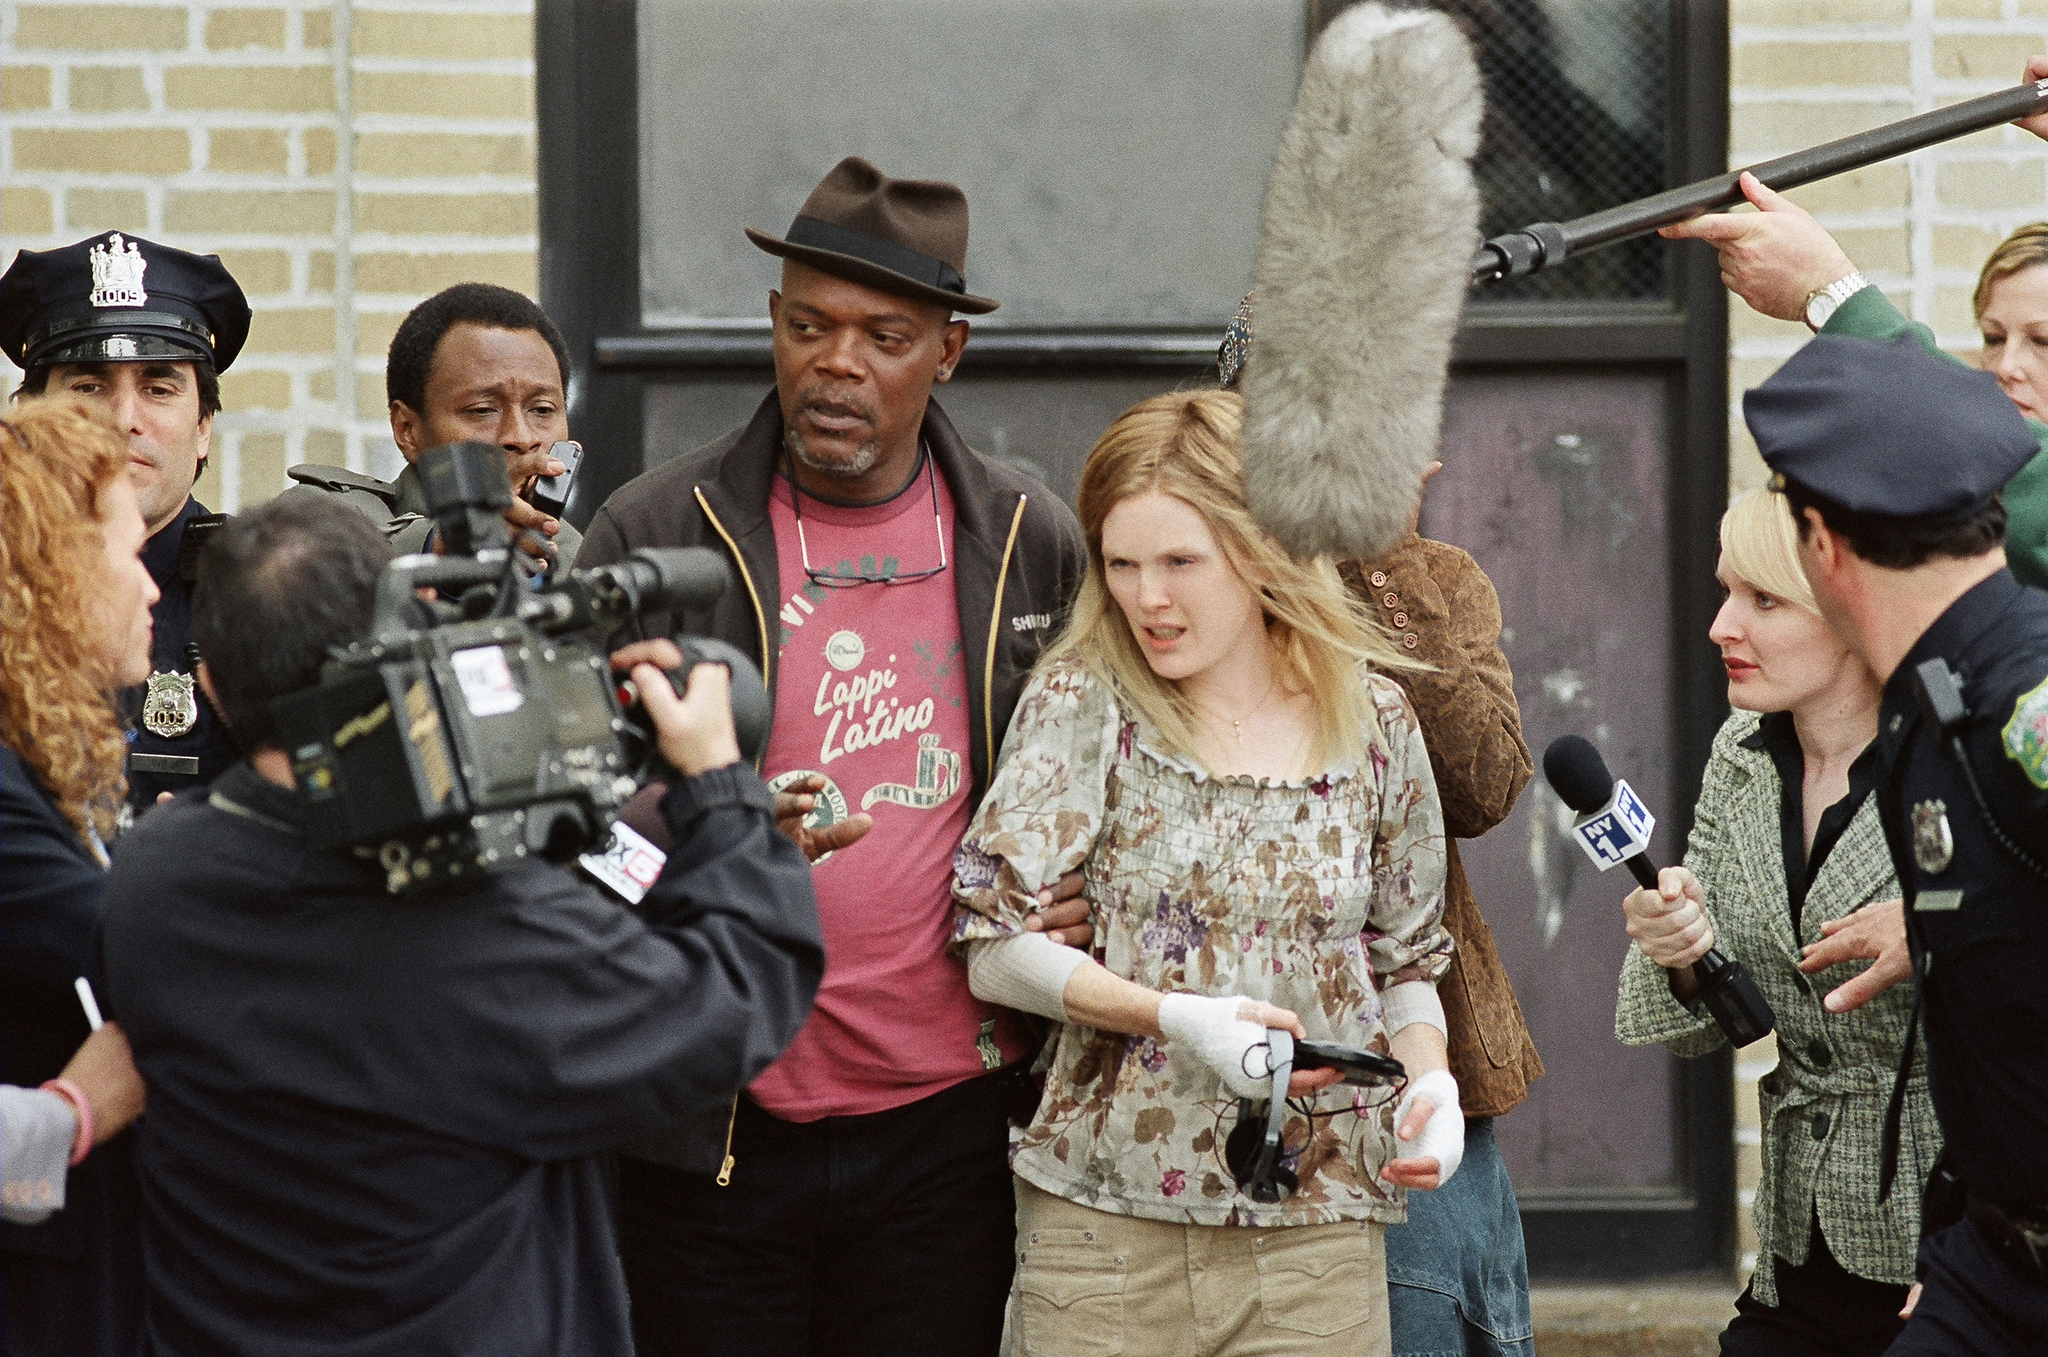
(1229, 1036)
(1428, 1125)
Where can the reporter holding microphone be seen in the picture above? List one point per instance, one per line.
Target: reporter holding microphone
(1786, 870)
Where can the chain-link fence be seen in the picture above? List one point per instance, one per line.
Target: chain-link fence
(1577, 98)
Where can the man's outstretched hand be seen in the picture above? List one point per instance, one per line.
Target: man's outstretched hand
(1876, 932)
(795, 801)
(2037, 69)
(1773, 258)
(1063, 912)
(1778, 256)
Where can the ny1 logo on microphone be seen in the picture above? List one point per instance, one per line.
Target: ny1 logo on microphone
(1618, 830)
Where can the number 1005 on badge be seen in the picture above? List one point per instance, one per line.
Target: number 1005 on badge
(1618, 830)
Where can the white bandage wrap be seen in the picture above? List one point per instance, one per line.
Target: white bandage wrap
(1413, 1001)
(1232, 1046)
(1443, 1135)
(1025, 971)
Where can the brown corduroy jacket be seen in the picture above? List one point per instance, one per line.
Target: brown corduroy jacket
(1437, 601)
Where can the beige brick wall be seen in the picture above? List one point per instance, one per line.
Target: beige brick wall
(1802, 71)
(345, 159)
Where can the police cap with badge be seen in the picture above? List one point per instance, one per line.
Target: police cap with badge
(1886, 429)
(120, 299)
(1881, 426)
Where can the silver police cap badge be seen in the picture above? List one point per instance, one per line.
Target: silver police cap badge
(171, 709)
(1933, 846)
(117, 269)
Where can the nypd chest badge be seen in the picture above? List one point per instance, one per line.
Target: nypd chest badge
(172, 708)
(1933, 846)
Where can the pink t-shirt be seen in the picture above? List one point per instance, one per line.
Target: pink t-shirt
(872, 693)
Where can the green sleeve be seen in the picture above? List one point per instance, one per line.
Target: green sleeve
(1870, 315)
(2026, 517)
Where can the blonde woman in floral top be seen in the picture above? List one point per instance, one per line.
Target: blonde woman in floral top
(1255, 816)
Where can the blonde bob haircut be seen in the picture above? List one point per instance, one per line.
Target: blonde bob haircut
(1185, 444)
(2023, 249)
(1760, 541)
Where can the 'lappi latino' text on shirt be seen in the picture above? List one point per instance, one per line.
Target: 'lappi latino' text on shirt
(872, 694)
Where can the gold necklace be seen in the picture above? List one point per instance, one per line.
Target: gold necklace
(1237, 722)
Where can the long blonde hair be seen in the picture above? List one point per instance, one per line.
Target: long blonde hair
(1185, 444)
(57, 458)
(1761, 542)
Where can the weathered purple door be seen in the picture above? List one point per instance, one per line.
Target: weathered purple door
(1556, 486)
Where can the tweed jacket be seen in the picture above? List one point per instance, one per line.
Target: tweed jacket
(1439, 603)
(1823, 1106)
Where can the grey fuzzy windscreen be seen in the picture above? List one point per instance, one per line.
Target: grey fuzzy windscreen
(1366, 237)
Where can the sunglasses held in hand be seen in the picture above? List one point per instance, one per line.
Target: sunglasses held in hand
(1253, 1149)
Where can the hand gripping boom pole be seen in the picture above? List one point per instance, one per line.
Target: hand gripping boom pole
(1547, 243)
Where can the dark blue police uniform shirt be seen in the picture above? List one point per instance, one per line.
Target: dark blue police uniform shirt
(1979, 926)
(208, 740)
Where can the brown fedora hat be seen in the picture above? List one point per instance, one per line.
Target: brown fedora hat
(904, 236)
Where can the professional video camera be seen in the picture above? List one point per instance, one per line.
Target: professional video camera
(481, 725)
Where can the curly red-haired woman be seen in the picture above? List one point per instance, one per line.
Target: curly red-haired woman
(74, 630)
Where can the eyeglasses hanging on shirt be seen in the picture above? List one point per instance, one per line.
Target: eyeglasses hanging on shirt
(827, 579)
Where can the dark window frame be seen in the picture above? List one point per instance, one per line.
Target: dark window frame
(588, 106)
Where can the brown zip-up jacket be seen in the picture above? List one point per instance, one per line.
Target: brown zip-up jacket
(1439, 604)
(1018, 558)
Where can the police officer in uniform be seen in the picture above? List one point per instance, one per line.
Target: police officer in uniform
(146, 330)
(1892, 461)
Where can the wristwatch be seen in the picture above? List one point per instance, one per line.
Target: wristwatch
(1823, 302)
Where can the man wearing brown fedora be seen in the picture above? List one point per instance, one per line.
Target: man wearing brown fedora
(897, 587)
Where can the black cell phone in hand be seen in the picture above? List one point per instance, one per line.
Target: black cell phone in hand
(1366, 1069)
(550, 494)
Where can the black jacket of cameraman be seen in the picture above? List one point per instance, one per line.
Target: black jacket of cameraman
(1018, 555)
(374, 1123)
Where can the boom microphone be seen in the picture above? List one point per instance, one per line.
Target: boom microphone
(1545, 244)
(1614, 828)
(1369, 221)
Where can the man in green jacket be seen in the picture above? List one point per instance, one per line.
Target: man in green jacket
(1785, 265)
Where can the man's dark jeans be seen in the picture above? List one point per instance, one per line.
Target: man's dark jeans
(892, 1233)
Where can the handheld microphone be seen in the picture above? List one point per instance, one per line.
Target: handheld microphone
(1614, 829)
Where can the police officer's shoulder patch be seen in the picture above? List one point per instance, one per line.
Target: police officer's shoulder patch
(2026, 734)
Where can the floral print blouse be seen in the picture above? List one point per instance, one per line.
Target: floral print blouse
(1316, 896)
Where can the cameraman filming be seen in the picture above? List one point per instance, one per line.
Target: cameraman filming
(375, 1121)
